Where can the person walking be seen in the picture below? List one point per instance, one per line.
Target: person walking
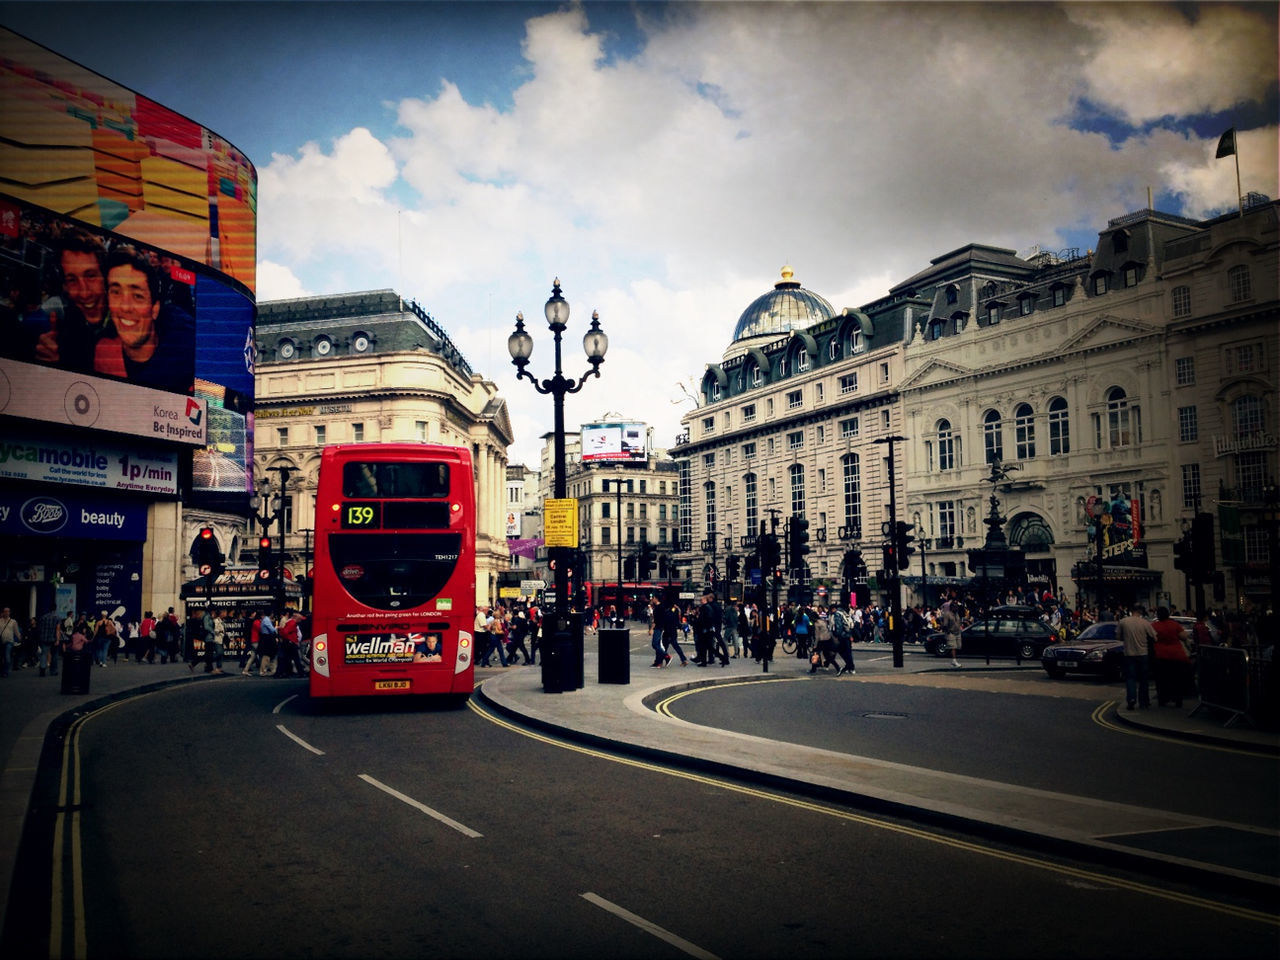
(668, 615)
(842, 630)
(104, 634)
(519, 630)
(1137, 634)
(731, 614)
(10, 634)
(49, 636)
(268, 646)
(252, 655)
(218, 639)
(290, 639)
(949, 624)
(1172, 661)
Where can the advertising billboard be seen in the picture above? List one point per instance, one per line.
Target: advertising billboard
(127, 244)
(614, 441)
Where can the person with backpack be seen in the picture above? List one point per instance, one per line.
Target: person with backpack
(824, 644)
(842, 629)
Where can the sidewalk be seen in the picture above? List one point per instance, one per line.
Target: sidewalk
(1229, 854)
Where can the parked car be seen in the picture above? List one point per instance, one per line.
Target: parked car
(1096, 651)
(997, 636)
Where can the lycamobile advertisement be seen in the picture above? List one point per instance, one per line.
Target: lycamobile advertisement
(89, 464)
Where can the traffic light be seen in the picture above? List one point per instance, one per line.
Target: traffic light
(1203, 563)
(799, 541)
(904, 541)
(890, 558)
(266, 559)
(770, 551)
(648, 558)
(207, 555)
(1182, 554)
(853, 567)
(734, 566)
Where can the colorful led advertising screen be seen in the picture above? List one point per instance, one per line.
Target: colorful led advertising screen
(127, 248)
(613, 441)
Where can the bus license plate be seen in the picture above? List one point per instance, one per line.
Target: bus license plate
(391, 684)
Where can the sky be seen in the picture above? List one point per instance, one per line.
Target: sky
(664, 161)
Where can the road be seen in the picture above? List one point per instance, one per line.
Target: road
(231, 819)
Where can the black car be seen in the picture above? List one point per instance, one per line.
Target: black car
(1097, 651)
(997, 636)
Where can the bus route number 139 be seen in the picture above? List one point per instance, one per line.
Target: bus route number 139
(360, 516)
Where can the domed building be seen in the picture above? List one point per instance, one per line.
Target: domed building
(788, 306)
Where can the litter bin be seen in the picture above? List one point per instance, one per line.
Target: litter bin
(75, 671)
(615, 655)
(562, 653)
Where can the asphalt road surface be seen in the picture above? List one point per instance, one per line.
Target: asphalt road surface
(225, 819)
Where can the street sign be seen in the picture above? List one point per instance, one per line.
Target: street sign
(689, 595)
(560, 522)
(529, 587)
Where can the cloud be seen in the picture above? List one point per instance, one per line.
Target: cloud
(278, 282)
(667, 187)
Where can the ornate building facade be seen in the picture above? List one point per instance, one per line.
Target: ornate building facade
(1126, 389)
(364, 368)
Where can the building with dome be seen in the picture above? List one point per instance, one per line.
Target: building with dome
(1124, 391)
(786, 424)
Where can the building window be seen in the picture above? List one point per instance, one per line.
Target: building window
(756, 377)
(748, 413)
(1240, 283)
(710, 500)
(1059, 427)
(1251, 472)
(795, 399)
(709, 460)
(715, 390)
(884, 419)
(769, 407)
(1245, 358)
(1059, 296)
(848, 428)
(708, 425)
(282, 436)
(1191, 486)
(1186, 370)
(1257, 548)
(662, 488)
(1246, 416)
(821, 391)
(1024, 431)
(1025, 304)
(802, 360)
(1188, 426)
(822, 433)
(605, 508)
(631, 509)
(851, 474)
(770, 446)
(420, 430)
(1119, 431)
(728, 420)
(1130, 276)
(1099, 284)
(993, 314)
(795, 441)
(631, 534)
(953, 294)
(749, 494)
(993, 437)
(936, 329)
(796, 472)
(884, 374)
(782, 367)
(947, 522)
(946, 446)
(662, 535)
(605, 535)
(857, 342)
(833, 349)
(644, 485)
(357, 432)
(662, 513)
(1182, 301)
(748, 451)
(849, 383)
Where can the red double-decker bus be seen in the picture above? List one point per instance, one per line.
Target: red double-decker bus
(393, 607)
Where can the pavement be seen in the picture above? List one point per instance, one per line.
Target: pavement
(622, 717)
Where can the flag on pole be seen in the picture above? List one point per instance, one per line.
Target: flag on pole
(1226, 144)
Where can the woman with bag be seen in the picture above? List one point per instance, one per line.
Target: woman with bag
(1172, 662)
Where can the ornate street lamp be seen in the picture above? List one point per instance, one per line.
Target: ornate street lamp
(520, 346)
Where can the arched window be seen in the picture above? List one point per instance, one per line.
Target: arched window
(1246, 416)
(857, 343)
(1118, 418)
(1240, 283)
(833, 349)
(713, 390)
(782, 367)
(796, 472)
(1024, 429)
(802, 360)
(1059, 427)
(754, 377)
(946, 446)
(953, 294)
(851, 471)
(993, 436)
(935, 329)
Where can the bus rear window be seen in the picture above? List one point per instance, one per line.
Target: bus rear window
(380, 480)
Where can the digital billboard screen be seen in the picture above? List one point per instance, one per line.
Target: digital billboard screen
(614, 441)
(127, 246)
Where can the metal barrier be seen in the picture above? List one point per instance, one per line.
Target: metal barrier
(1223, 677)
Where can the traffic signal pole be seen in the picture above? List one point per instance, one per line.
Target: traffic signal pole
(895, 583)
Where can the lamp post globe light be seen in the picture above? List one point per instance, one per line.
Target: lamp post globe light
(520, 346)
